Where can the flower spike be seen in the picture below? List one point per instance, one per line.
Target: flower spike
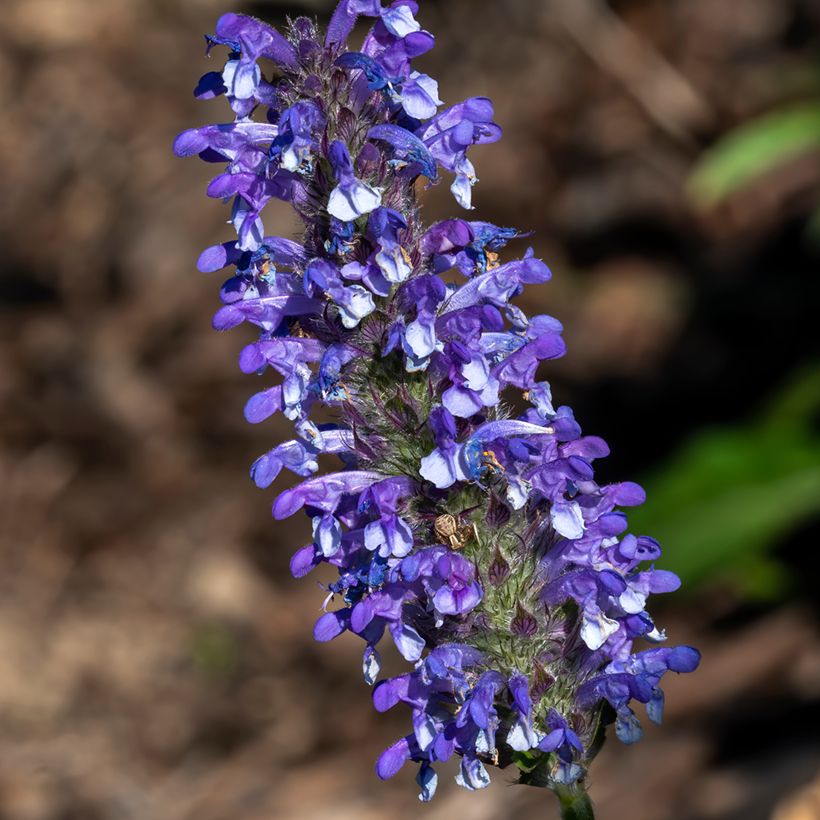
(476, 542)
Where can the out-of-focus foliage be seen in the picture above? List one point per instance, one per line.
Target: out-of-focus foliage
(730, 495)
(727, 496)
(753, 149)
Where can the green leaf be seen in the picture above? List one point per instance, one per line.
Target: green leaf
(729, 494)
(813, 229)
(753, 149)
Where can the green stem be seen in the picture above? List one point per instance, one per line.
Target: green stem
(575, 803)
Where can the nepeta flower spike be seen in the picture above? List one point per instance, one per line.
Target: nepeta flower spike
(480, 543)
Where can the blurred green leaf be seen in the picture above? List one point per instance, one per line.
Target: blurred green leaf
(729, 494)
(214, 650)
(753, 149)
(813, 228)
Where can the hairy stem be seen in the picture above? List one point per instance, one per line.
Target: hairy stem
(575, 803)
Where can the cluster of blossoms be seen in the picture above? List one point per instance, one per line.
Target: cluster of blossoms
(477, 539)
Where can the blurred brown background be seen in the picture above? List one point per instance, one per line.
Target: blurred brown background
(156, 660)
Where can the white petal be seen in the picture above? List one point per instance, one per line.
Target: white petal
(436, 469)
(597, 628)
(290, 161)
(327, 533)
(425, 731)
(430, 85)
(409, 643)
(358, 200)
(473, 775)
(374, 536)
(461, 403)
(394, 264)
(462, 190)
(462, 186)
(371, 665)
(402, 542)
(521, 736)
(632, 601)
(428, 782)
(476, 374)
(420, 338)
(518, 491)
(567, 520)
(399, 21)
(241, 78)
(358, 304)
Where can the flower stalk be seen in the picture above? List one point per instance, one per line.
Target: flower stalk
(473, 539)
(575, 803)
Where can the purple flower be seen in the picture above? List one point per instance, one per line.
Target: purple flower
(249, 39)
(422, 296)
(444, 466)
(451, 133)
(474, 387)
(459, 592)
(345, 16)
(354, 302)
(479, 543)
(566, 745)
(397, 38)
(469, 246)
(521, 736)
(268, 312)
(389, 536)
(392, 759)
(419, 96)
(255, 39)
(296, 139)
(412, 153)
(391, 258)
(323, 493)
